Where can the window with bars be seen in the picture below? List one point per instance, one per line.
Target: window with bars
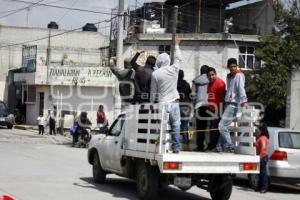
(247, 58)
(164, 49)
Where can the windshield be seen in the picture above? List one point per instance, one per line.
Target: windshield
(289, 140)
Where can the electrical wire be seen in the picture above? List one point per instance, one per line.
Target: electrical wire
(67, 11)
(63, 7)
(21, 9)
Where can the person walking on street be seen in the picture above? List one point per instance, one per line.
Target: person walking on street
(262, 147)
(164, 90)
(184, 91)
(52, 121)
(235, 97)
(199, 89)
(41, 123)
(143, 76)
(216, 91)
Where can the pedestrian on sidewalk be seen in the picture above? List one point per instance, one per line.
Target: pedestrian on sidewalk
(41, 124)
(102, 122)
(262, 148)
(52, 121)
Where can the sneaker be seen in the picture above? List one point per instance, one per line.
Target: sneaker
(217, 149)
(229, 150)
(176, 151)
(263, 191)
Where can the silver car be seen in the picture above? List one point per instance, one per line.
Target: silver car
(6, 118)
(284, 158)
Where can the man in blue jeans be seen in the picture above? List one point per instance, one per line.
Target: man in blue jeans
(164, 90)
(235, 97)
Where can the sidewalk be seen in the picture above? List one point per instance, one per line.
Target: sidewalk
(63, 139)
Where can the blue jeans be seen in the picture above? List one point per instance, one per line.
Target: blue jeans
(184, 126)
(227, 118)
(263, 175)
(174, 120)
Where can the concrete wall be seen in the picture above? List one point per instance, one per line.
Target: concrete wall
(293, 101)
(71, 98)
(79, 46)
(195, 54)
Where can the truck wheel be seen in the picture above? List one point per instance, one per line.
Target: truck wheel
(10, 126)
(253, 180)
(147, 182)
(221, 187)
(99, 174)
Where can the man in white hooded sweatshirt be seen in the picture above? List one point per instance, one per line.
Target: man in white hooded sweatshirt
(164, 90)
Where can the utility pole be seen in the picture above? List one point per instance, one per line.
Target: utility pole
(174, 28)
(120, 63)
(110, 33)
(48, 54)
(199, 16)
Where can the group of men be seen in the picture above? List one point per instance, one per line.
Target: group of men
(159, 81)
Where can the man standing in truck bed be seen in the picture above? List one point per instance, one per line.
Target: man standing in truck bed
(164, 90)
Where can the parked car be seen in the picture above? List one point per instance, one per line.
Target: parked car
(284, 158)
(6, 118)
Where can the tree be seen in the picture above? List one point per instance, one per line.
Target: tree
(280, 53)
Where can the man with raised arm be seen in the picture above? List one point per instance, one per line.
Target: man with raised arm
(164, 90)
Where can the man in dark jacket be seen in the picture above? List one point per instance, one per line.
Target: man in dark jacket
(127, 87)
(143, 76)
(184, 91)
(200, 84)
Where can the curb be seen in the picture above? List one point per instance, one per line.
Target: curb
(23, 127)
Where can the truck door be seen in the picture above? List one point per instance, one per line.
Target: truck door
(112, 143)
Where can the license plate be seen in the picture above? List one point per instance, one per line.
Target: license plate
(183, 181)
(2, 119)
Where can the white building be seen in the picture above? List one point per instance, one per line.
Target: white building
(76, 79)
(212, 49)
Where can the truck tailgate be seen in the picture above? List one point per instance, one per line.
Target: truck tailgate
(208, 162)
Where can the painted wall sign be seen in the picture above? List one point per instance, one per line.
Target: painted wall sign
(89, 76)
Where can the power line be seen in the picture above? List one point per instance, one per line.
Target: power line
(18, 10)
(67, 11)
(63, 7)
(47, 37)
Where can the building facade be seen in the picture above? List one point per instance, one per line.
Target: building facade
(52, 67)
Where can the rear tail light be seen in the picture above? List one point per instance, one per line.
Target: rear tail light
(249, 166)
(279, 155)
(172, 166)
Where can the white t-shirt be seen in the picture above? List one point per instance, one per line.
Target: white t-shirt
(41, 120)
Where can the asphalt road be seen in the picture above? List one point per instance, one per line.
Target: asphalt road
(34, 167)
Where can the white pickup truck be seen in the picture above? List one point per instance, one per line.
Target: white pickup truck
(137, 146)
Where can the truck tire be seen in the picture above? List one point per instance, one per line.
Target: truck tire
(10, 126)
(99, 174)
(221, 187)
(147, 182)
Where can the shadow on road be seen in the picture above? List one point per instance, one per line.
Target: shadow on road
(244, 186)
(125, 188)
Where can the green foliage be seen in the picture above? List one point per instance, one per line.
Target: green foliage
(281, 53)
